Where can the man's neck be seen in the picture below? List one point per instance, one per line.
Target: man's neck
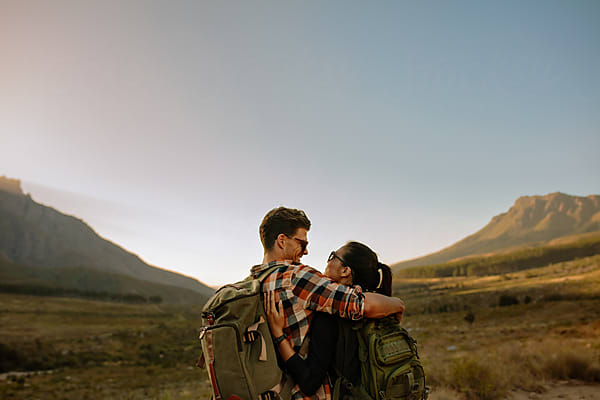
(270, 257)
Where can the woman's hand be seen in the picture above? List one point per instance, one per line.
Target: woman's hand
(275, 315)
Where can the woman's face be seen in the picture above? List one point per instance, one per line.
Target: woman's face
(336, 270)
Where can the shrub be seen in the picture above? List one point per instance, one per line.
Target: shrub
(573, 366)
(507, 300)
(9, 358)
(477, 380)
(470, 317)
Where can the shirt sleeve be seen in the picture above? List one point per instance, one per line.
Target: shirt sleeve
(310, 373)
(320, 293)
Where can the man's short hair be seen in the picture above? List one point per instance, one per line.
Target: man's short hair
(281, 220)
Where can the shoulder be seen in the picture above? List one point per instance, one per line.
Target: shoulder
(301, 270)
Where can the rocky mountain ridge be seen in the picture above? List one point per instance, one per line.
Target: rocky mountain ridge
(531, 219)
(40, 236)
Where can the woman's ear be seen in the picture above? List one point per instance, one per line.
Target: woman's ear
(346, 276)
(346, 272)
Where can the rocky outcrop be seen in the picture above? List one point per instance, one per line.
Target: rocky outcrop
(10, 185)
(531, 219)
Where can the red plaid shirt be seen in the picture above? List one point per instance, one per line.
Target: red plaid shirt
(303, 290)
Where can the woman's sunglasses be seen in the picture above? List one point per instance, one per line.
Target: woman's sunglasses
(333, 255)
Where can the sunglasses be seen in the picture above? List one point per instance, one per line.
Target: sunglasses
(303, 243)
(333, 255)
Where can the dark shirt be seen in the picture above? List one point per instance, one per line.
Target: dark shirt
(310, 373)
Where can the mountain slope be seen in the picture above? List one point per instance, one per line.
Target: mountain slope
(531, 219)
(40, 236)
(16, 278)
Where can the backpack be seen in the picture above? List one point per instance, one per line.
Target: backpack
(389, 362)
(236, 342)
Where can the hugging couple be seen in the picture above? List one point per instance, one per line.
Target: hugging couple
(303, 305)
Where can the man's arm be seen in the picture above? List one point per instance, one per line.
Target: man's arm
(379, 306)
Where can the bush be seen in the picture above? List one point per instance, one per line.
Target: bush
(573, 366)
(470, 317)
(9, 359)
(477, 380)
(507, 300)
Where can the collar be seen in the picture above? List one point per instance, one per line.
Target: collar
(257, 269)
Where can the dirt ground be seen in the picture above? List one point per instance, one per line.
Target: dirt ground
(564, 390)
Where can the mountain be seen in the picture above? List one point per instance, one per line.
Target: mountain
(90, 283)
(34, 235)
(531, 220)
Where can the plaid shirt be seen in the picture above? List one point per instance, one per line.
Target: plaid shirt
(303, 290)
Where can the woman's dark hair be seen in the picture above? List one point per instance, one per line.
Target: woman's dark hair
(367, 271)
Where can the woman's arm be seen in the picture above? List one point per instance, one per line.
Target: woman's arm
(308, 373)
(276, 319)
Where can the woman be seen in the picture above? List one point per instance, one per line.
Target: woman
(353, 264)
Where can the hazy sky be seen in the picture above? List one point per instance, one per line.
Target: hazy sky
(172, 127)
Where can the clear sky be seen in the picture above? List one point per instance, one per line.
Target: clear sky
(172, 127)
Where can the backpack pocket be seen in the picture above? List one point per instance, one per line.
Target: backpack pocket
(392, 348)
(406, 382)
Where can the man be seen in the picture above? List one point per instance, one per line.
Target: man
(303, 290)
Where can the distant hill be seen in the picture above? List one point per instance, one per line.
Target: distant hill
(531, 220)
(35, 235)
(513, 259)
(90, 283)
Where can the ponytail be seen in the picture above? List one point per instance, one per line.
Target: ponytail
(367, 271)
(385, 279)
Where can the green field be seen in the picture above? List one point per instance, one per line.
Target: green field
(103, 350)
(98, 350)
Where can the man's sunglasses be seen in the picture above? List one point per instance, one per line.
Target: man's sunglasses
(333, 255)
(303, 243)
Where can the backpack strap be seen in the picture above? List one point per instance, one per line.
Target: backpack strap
(344, 358)
(261, 276)
(341, 382)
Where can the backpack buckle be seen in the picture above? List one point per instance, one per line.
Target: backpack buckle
(209, 316)
(250, 336)
(269, 395)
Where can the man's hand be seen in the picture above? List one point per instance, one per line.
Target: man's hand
(399, 317)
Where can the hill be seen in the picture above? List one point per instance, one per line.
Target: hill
(90, 283)
(39, 236)
(513, 260)
(531, 220)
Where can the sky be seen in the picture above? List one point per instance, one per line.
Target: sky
(171, 128)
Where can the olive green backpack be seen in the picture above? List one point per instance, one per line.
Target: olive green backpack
(390, 364)
(236, 342)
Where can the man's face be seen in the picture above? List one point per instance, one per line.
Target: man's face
(296, 245)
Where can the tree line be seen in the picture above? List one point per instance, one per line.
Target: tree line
(506, 263)
(39, 290)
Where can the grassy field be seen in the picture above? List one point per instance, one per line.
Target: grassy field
(98, 350)
(486, 336)
(479, 337)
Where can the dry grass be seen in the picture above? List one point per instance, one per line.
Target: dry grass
(113, 351)
(98, 350)
(523, 346)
